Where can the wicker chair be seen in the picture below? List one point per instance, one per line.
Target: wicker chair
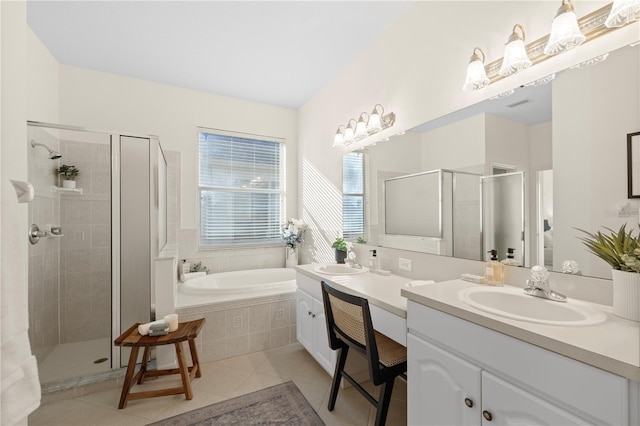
(349, 326)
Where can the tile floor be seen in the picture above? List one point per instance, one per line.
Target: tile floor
(222, 380)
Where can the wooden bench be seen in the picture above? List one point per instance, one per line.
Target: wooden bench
(187, 331)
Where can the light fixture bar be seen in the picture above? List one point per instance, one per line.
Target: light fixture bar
(363, 129)
(591, 25)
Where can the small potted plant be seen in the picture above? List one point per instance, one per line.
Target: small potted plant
(340, 246)
(621, 250)
(68, 174)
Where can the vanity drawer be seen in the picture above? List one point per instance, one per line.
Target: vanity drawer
(593, 394)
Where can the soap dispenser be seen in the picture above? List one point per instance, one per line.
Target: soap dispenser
(510, 260)
(494, 270)
(374, 261)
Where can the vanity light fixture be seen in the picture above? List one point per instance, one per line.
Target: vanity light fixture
(515, 53)
(349, 133)
(622, 13)
(476, 74)
(338, 139)
(565, 32)
(361, 127)
(367, 125)
(374, 125)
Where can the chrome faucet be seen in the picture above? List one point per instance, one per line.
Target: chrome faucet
(538, 285)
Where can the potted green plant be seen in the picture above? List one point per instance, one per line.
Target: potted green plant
(621, 250)
(361, 240)
(68, 174)
(340, 245)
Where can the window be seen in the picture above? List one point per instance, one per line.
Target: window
(353, 195)
(241, 185)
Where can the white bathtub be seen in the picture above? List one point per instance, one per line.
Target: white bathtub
(228, 286)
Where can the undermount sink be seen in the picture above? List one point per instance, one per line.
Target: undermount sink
(339, 269)
(511, 302)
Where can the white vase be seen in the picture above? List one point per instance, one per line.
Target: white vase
(291, 255)
(626, 294)
(71, 184)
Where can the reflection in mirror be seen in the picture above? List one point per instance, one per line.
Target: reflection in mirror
(565, 135)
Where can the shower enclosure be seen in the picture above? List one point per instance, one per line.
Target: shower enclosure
(90, 272)
(435, 212)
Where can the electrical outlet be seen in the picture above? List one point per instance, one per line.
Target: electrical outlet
(404, 264)
(279, 314)
(237, 321)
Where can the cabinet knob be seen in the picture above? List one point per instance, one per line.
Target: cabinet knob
(468, 402)
(313, 315)
(487, 416)
(309, 313)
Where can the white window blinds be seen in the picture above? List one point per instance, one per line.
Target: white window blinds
(353, 195)
(241, 183)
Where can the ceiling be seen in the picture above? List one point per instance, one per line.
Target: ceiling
(274, 52)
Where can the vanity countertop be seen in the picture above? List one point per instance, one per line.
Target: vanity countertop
(613, 345)
(381, 291)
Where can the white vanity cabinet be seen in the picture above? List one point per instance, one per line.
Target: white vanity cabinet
(311, 327)
(447, 390)
(463, 373)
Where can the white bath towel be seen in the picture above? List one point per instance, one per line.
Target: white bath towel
(192, 275)
(17, 397)
(143, 329)
(20, 390)
(172, 320)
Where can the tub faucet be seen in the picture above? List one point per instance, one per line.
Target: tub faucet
(538, 285)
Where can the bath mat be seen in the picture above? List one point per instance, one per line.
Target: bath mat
(281, 404)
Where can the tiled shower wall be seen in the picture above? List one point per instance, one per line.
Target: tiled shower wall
(85, 251)
(44, 256)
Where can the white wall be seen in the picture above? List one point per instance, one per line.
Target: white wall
(42, 81)
(457, 146)
(18, 398)
(98, 100)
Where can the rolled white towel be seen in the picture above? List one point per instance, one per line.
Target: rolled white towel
(191, 275)
(143, 329)
(418, 283)
(172, 320)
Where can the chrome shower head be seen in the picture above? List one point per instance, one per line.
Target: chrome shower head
(53, 155)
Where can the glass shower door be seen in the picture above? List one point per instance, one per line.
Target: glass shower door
(503, 214)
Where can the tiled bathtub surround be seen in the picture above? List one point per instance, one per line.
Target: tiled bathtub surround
(243, 326)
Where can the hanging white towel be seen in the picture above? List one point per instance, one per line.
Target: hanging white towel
(20, 391)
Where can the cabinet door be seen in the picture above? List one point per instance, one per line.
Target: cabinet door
(304, 320)
(323, 353)
(443, 389)
(510, 405)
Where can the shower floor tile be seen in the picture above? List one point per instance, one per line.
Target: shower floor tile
(76, 359)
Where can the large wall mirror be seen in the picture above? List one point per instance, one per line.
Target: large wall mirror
(524, 171)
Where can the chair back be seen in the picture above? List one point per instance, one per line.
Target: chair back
(349, 322)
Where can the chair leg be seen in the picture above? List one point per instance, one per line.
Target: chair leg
(337, 376)
(384, 401)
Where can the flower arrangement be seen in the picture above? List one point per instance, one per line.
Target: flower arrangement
(293, 232)
(619, 249)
